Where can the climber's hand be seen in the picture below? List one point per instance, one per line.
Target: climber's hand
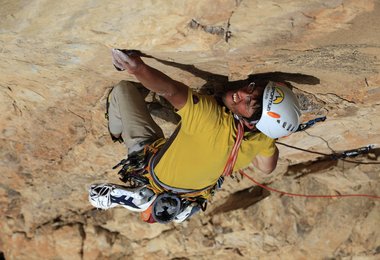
(122, 60)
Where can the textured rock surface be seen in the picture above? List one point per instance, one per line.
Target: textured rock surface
(56, 71)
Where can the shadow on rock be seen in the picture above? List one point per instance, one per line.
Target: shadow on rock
(242, 200)
(216, 83)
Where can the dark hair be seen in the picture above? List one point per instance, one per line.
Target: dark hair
(235, 85)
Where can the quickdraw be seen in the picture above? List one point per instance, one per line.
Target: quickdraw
(134, 168)
(310, 123)
(353, 152)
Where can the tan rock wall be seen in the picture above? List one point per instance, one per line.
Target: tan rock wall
(56, 71)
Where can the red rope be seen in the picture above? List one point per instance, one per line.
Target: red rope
(228, 168)
(305, 195)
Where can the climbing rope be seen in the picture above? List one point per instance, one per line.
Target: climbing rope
(333, 156)
(306, 195)
(235, 150)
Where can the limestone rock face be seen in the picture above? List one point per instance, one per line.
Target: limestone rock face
(56, 72)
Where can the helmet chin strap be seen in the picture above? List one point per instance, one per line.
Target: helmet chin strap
(250, 125)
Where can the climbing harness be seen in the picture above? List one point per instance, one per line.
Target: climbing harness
(138, 170)
(134, 167)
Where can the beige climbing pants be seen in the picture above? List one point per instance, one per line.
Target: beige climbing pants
(130, 117)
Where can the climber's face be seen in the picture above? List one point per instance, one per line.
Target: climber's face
(244, 101)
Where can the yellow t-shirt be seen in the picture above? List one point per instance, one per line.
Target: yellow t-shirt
(198, 154)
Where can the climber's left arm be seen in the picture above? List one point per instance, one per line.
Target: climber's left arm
(266, 164)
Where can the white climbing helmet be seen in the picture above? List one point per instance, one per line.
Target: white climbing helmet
(281, 111)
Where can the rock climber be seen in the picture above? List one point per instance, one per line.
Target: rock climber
(216, 136)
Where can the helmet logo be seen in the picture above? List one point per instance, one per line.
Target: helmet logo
(276, 96)
(279, 96)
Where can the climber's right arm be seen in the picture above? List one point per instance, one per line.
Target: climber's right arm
(173, 91)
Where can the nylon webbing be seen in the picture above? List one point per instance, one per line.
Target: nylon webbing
(167, 144)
